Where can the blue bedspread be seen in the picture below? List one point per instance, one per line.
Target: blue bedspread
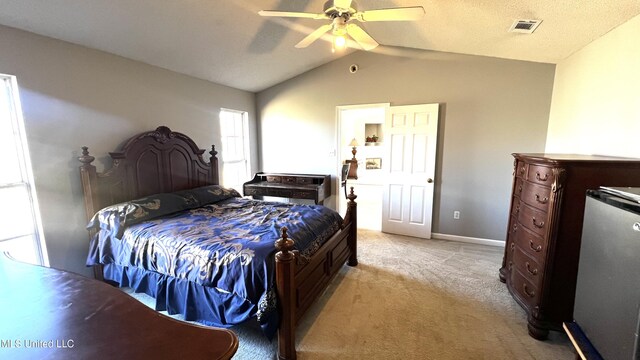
(213, 263)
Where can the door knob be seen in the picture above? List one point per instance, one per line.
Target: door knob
(429, 180)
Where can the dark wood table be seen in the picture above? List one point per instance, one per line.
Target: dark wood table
(54, 314)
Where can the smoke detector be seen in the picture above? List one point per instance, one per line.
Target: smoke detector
(524, 26)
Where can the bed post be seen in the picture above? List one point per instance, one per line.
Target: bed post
(213, 162)
(285, 271)
(89, 180)
(88, 176)
(352, 210)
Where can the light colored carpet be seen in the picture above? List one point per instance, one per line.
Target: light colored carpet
(413, 299)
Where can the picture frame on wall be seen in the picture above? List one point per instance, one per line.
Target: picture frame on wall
(373, 163)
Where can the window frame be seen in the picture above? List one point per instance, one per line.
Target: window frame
(246, 146)
(10, 85)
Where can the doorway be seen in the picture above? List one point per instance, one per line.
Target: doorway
(360, 122)
(396, 152)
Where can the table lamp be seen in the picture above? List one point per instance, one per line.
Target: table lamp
(353, 163)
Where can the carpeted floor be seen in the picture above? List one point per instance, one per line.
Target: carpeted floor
(413, 299)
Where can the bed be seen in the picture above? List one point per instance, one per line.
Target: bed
(158, 211)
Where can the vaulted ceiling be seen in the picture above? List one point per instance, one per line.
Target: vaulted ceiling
(228, 43)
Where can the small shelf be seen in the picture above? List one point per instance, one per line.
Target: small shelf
(370, 130)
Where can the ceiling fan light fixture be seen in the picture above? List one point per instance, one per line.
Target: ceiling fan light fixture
(339, 32)
(339, 43)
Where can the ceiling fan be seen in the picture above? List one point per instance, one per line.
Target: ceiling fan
(340, 12)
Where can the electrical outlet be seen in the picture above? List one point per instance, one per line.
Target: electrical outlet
(456, 215)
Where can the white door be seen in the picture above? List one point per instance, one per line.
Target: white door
(407, 205)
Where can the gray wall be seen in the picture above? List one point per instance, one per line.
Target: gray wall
(489, 108)
(74, 96)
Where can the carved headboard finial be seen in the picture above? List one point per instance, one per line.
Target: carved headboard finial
(162, 134)
(86, 159)
(352, 196)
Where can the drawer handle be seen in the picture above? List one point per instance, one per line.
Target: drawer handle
(510, 265)
(520, 189)
(526, 291)
(515, 227)
(522, 170)
(539, 225)
(537, 248)
(546, 176)
(532, 272)
(544, 200)
(513, 246)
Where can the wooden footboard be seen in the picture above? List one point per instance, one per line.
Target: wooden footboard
(300, 285)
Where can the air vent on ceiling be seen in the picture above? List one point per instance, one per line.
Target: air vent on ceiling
(524, 26)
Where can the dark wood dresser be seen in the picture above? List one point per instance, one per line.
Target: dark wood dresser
(293, 186)
(542, 248)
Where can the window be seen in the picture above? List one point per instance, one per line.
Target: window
(236, 166)
(20, 226)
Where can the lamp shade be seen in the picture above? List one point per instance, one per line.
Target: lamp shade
(353, 142)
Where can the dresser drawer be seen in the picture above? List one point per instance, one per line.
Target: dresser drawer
(303, 194)
(542, 175)
(304, 181)
(249, 191)
(533, 244)
(536, 195)
(262, 191)
(524, 289)
(533, 219)
(289, 179)
(527, 266)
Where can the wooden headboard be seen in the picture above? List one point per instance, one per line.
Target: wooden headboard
(149, 163)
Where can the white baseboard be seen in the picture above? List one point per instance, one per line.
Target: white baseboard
(467, 239)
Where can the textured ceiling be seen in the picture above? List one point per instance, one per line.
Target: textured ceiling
(226, 42)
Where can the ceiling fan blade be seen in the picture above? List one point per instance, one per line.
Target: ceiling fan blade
(361, 37)
(395, 14)
(313, 36)
(292, 14)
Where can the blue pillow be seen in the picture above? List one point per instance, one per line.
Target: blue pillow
(207, 194)
(116, 218)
